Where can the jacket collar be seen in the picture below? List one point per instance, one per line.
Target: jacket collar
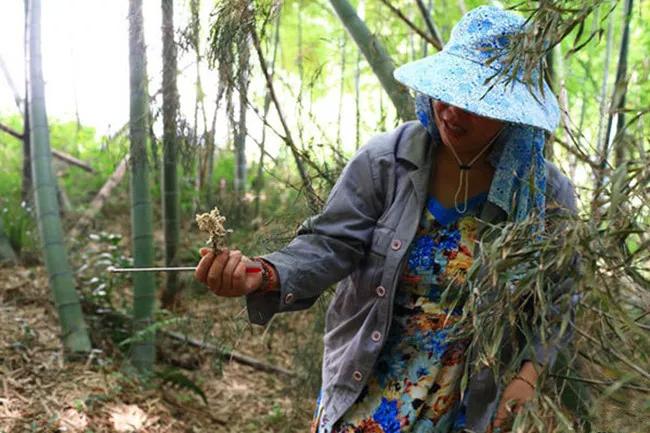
(415, 145)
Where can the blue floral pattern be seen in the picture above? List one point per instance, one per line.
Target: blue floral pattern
(415, 384)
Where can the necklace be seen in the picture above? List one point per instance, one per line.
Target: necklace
(464, 172)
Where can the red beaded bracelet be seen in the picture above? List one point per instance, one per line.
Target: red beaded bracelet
(268, 280)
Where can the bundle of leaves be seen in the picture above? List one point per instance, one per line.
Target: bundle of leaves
(581, 286)
(549, 22)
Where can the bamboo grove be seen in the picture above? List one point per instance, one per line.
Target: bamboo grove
(275, 64)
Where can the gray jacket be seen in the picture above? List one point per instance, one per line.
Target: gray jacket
(360, 240)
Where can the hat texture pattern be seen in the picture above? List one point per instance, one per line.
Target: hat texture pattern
(461, 76)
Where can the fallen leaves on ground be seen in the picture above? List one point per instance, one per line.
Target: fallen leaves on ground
(40, 391)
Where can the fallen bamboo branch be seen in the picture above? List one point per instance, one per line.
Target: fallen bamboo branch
(55, 153)
(222, 353)
(229, 354)
(100, 199)
(11, 131)
(72, 160)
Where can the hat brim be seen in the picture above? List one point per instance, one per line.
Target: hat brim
(463, 83)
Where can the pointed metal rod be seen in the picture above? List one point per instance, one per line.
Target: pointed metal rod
(169, 269)
(113, 269)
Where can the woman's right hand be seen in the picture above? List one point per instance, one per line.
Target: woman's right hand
(225, 273)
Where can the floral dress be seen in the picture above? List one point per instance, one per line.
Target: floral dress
(415, 383)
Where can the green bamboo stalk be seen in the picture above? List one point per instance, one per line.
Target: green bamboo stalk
(620, 88)
(376, 55)
(144, 300)
(169, 169)
(62, 283)
(27, 182)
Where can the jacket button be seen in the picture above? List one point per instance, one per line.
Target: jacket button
(288, 298)
(357, 376)
(381, 291)
(396, 244)
(376, 336)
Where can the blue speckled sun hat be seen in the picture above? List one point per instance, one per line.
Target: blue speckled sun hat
(458, 75)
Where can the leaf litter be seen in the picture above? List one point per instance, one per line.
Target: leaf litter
(40, 391)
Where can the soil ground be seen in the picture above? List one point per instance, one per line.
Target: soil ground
(40, 391)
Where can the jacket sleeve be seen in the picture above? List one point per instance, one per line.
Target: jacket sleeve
(328, 246)
(546, 343)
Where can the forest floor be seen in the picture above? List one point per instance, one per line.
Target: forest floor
(42, 392)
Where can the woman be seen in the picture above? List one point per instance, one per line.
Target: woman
(401, 225)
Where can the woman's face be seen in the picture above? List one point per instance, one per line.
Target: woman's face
(466, 132)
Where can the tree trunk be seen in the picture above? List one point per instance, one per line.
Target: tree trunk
(194, 39)
(143, 349)
(26, 189)
(620, 89)
(62, 283)
(171, 221)
(377, 57)
(7, 253)
(602, 139)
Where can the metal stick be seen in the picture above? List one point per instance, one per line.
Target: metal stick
(174, 269)
(251, 268)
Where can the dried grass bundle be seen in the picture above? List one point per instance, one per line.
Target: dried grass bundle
(584, 279)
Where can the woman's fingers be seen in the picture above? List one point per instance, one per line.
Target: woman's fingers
(201, 272)
(227, 288)
(506, 409)
(216, 268)
(239, 277)
(224, 273)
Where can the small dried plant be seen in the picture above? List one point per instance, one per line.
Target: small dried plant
(212, 223)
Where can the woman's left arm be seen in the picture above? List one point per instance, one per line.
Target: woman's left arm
(542, 351)
(561, 208)
(520, 389)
